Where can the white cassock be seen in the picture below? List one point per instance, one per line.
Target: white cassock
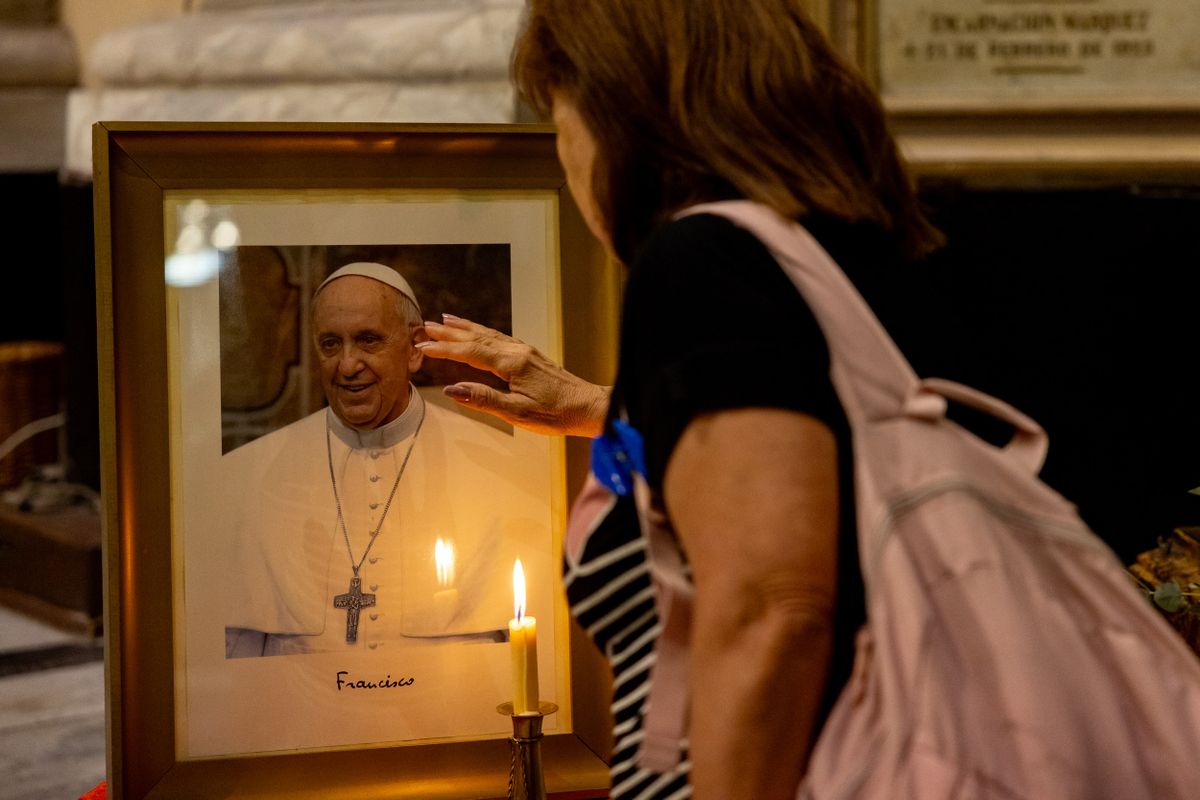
(289, 559)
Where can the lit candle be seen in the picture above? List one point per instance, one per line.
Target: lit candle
(522, 634)
(446, 597)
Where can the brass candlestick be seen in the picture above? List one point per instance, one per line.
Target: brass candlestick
(525, 779)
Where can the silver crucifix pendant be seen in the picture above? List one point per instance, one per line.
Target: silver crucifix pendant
(353, 601)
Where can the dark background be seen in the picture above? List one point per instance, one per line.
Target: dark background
(1079, 307)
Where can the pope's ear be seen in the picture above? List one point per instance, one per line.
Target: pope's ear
(416, 357)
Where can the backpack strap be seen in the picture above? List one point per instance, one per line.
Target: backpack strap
(1029, 444)
(668, 696)
(592, 505)
(618, 468)
(665, 722)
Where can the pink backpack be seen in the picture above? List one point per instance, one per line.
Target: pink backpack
(1006, 653)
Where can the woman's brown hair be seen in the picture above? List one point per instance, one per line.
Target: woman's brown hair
(692, 101)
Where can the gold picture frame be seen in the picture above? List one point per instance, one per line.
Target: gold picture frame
(141, 169)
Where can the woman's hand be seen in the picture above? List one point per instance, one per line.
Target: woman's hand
(542, 397)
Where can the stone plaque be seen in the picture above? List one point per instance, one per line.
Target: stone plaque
(1068, 52)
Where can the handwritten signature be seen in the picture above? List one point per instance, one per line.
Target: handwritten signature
(345, 682)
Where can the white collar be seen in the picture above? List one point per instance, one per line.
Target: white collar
(385, 436)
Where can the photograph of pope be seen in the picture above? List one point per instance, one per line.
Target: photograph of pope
(381, 520)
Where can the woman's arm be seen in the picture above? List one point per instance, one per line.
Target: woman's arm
(542, 397)
(753, 496)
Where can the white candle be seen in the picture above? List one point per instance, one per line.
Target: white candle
(522, 634)
(446, 597)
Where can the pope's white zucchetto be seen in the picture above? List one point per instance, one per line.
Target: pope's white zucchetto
(379, 272)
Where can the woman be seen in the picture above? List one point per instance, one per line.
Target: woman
(660, 105)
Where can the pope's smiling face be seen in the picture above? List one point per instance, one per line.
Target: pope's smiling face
(365, 349)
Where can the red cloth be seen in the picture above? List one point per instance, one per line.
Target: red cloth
(99, 793)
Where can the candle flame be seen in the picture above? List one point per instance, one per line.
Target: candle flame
(518, 590)
(443, 559)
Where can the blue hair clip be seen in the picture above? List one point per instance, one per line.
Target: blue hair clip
(616, 455)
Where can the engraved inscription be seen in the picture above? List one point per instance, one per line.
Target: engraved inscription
(1030, 49)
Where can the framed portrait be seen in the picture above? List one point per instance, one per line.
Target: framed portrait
(308, 592)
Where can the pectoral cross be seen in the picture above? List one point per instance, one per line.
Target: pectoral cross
(353, 601)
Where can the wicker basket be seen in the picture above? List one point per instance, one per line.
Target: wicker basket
(30, 389)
